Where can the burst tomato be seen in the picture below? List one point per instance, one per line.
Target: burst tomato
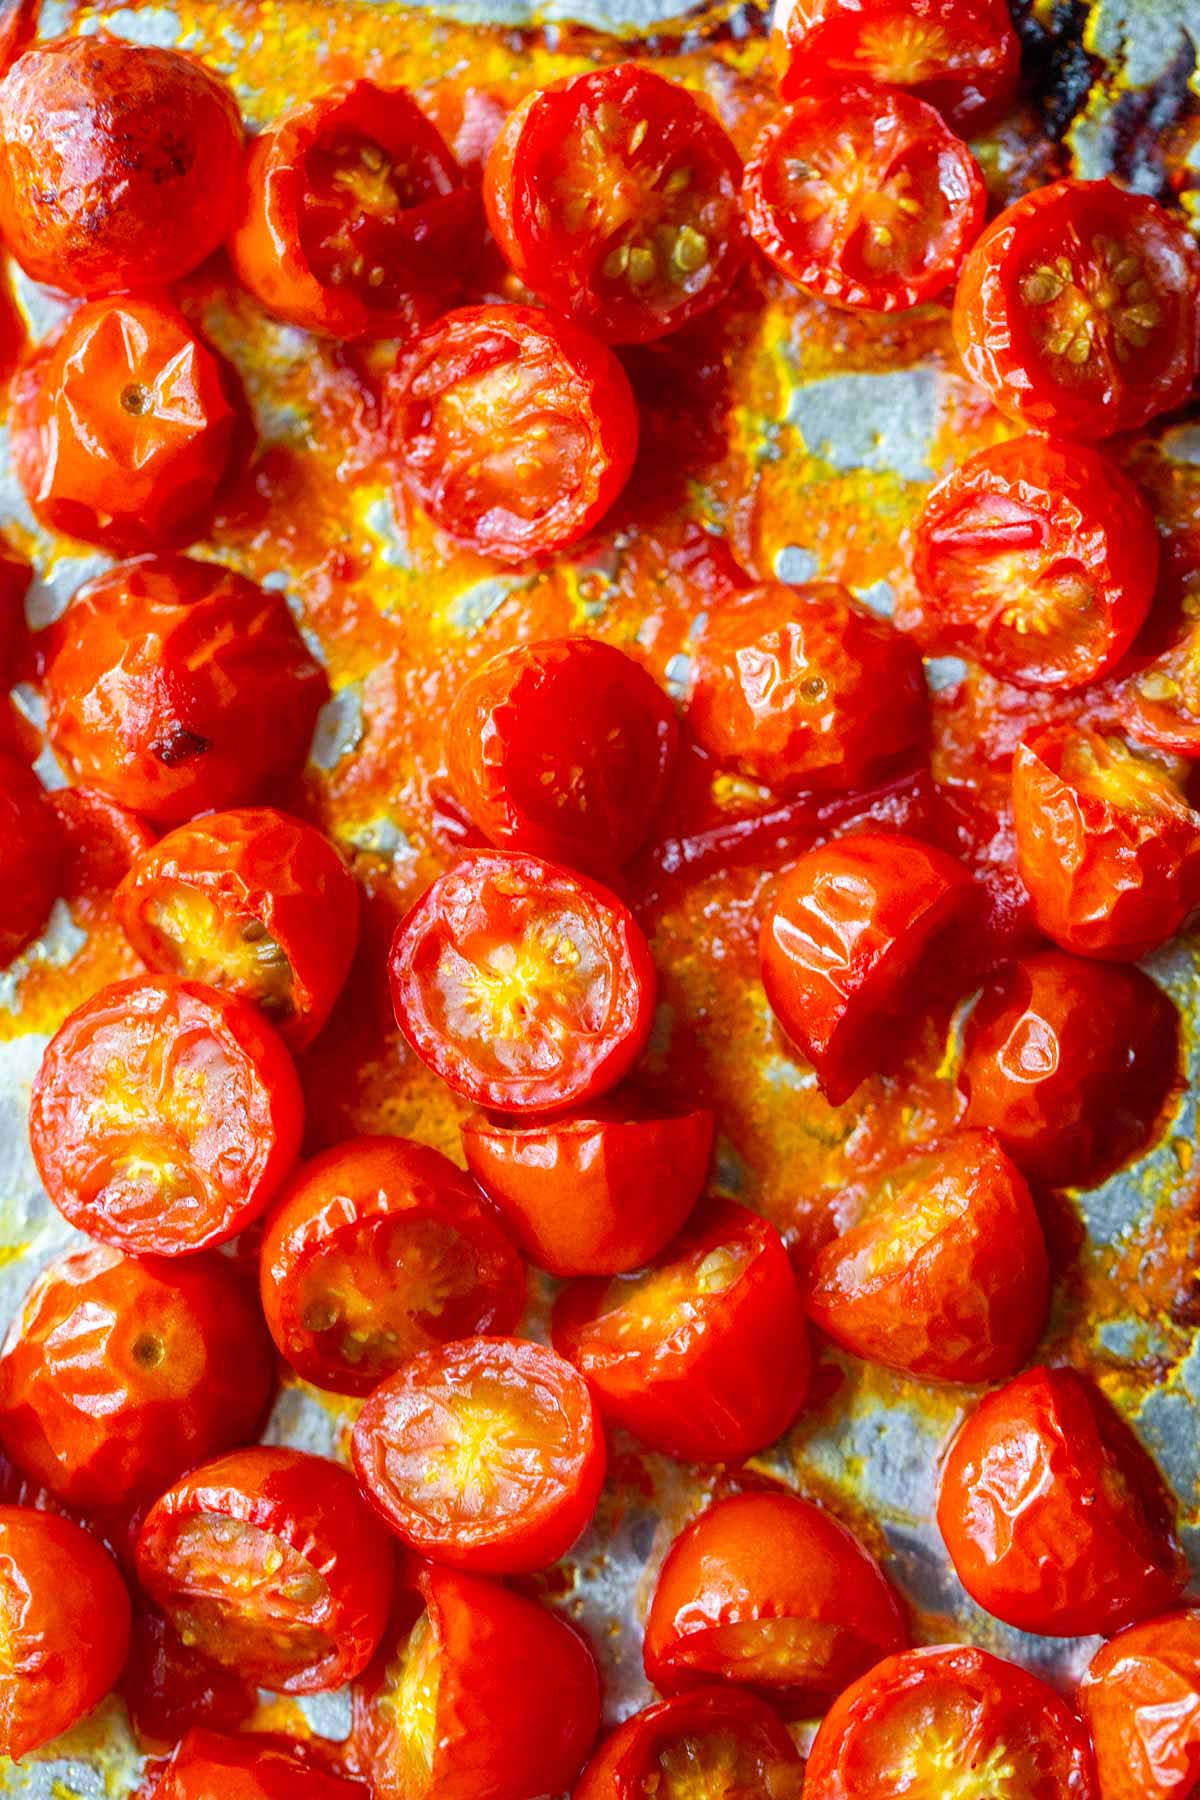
(1140, 1699)
(246, 1768)
(696, 1743)
(32, 857)
(169, 1686)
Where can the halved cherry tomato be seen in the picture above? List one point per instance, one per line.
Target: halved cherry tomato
(705, 1354)
(64, 1626)
(119, 164)
(177, 687)
(715, 1739)
(270, 1561)
(1160, 700)
(1079, 310)
(931, 1721)
(102, 841)
(1054, 1516)
(846, 927)
(599, 1192)
(253, 902)
(771, 1591)
(562, 748)
(164, 1116)
(32, 858)
(1036, 558)
(378, 1249)
(1140, 1699)
(513, 429)
(15, 576)
(206, 1764)
(169, 1686)
(800, 688)
(614, 195)
(526, 988)
(355, 219)
(485, 1695)
(944, 1273)
(1070, 1063)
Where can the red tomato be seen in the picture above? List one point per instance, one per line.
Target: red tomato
(246, 1768)
(119, 164)
(614, 195)
(1070, 1063)
(846, 927)
(1140, 1699)
(15, 576)
(169, 1686)
(103, 841)
(1079, 310)
(1053, 1514)
(1160, 701)
(513, 429)
(18, 26)
(1036, 558)
(526, 988)
(31, 858)
(696, 1744)
(705, 1354)
(253, 902)
(355, 219)
(164, 1116)
(944, 1274)
(161, 677)
(564, 749)
(863, 196)
(66, 1626)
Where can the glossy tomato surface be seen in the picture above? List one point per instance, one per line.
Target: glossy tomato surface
(102, 841)
(696, 1743)
(15, 577)
(207, 1764)
(1160, 700)
(169, 1687)
(1140, 1699)
(32, 858)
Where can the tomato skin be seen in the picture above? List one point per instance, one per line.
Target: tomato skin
(15, 577)
(638, 1750)
(1159, 700)
(245, 1768)
(31, 858)
(714, 1373)
(103, 840)
(168, 1687)
(1140, 1699)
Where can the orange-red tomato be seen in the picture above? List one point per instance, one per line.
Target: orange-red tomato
(1140, 1699)
(1055, 1517)
(102, 841)
(32, 858)
(207, 1764)
(169, 1686)
(699, 1743)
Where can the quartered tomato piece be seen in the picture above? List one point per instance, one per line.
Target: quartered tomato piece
(863, 196)
(1053, 1514)
(1140, 1699)
(1036, 558)
(773, 1592)
(32, 858)
(614, 195)
(705, 1354)
(164, 1116)
(711, 1742)
(1078, 310)
(484, 1454)
(169, 1686)
(526, 988)
(206, 1764)
(270, 1562)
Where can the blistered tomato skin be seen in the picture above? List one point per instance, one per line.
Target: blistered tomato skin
(1140, 1699)
(246, 1768)
(711, 1734)
(32, 858)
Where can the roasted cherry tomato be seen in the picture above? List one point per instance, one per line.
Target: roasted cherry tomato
(485, 1695)
(929, 1721)
(102, 841)
(206, 1764)
(164, 1116)
(513, 429)
(1140, 1699)
(271, 1563)
(1160, 700)
(944, 1273)
(845, 929)
(711, 1741)
(1070, 1063)
(771, 1591)
(564, 749)
(253, 902)
(705, 1354)
(119, 164)
(614, 195)
(1055, 1517)
(15, 576)
(32, 858)
(176, 687)
(1079, 310)
(65, 1614)
(598, 1193)
(800, 688)
(169, 1686)
(526, 988)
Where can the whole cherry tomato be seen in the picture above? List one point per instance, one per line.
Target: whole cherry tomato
(562, 748)
(1036, 558)
(119, 164)
(713, 1737)
(164, 1116)
(1079, 310)
(32, 858)
(513, 429)
(253, 902)
(169, 1686)
(1055, 1517)
(206, 1764)
(178, 687)
(614, 195)
(270, 1562)
(15, 577)
(526, 988)
(378, 1249)
(944, 1272)
(771, 1591)
(1140, 1699)
(705, 1354)
(1070, 1063)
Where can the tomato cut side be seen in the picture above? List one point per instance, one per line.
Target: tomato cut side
(713, 1742)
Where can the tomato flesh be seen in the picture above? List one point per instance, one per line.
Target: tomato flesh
(714, 1744)
(247, 1768)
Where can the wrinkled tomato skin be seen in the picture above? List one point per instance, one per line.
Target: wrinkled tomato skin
(136, 711)
(119, 164)
(169, 1687)
(759, 1558)
(32, 858)
(966, 1303)
(1070, 1062)
(635, 1754)
(1140, 1700)
(1054, 1516)
(207, 1763)
(729, 1369)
